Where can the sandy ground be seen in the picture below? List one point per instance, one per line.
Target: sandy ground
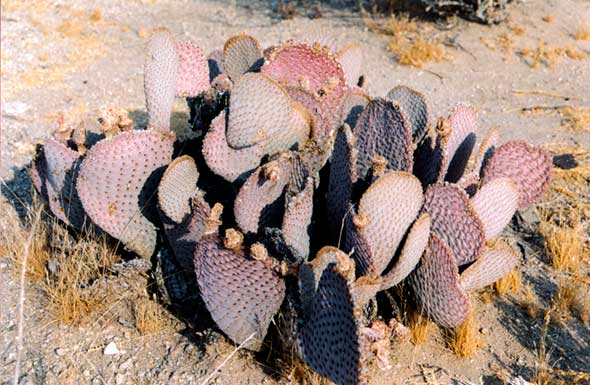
(64, 61)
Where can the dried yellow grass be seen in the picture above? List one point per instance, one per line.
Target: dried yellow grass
(148, 315)
(464, 340)
(62, 266)
(417, 52)
(408, 43)
(420, 327)
(530, 302)
(294, 370)
(565, 244)
(582, 32)
(575, 119)
(510, 283)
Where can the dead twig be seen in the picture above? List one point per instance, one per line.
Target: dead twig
(21, 299)
(544, 93)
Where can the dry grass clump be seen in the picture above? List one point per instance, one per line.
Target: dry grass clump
(148, 315)
(582, 32)
(12, 242)
(565, 244)
(417, 52)
(75, 268)
(550, 56)
(563, 303)
(510, 283)
(408, 43)
(576, 119)
(420, 327)
(570, 300)
(65, 268)
(530, 302)
(297, 372)
(464, 340)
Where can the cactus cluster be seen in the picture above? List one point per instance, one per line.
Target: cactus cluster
(293, 159)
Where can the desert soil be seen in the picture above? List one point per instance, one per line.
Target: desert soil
(62, 61)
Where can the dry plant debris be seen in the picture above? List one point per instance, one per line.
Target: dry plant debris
(411, 45)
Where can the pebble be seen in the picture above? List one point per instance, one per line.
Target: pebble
(111, 349)
(126, 365)
(61, 352)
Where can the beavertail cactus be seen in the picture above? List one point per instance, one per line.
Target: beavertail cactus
(290, 158)
(117, 181)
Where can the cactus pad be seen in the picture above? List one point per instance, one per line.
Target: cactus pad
(383, 129)
(416, 108)
(177, 188)
(351, 60)
(302, 65)
(160, 74)
(329, 338)
(184, 236)
(54, 174)
(241, 54)
(223, 160)
(242, 295)
(355, 241)
(260, 193)
(435, 284)
(463, 124)
(297, 219)
(354, 102)
(342, 177)
(486, 149)
(117, 180)
(495, 204)
(193, 70)
(390, 205)
(528, 166)
(259, 109)
(414, 246)
(490, 267)
(431, 157)
(455, 221)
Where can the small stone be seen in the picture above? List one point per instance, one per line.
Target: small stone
(111, 349)
(126, 365)
(61, 352)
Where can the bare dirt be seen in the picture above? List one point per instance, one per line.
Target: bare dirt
(62, 62)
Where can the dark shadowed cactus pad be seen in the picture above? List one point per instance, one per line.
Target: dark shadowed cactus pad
(118, 179)
(528, 166)
(329, 338)
(416, 108)
(241, 294)
(383, 129)
(342, 177)
(253, 206)
(455, 221)
(54, 173)
(435, 285)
